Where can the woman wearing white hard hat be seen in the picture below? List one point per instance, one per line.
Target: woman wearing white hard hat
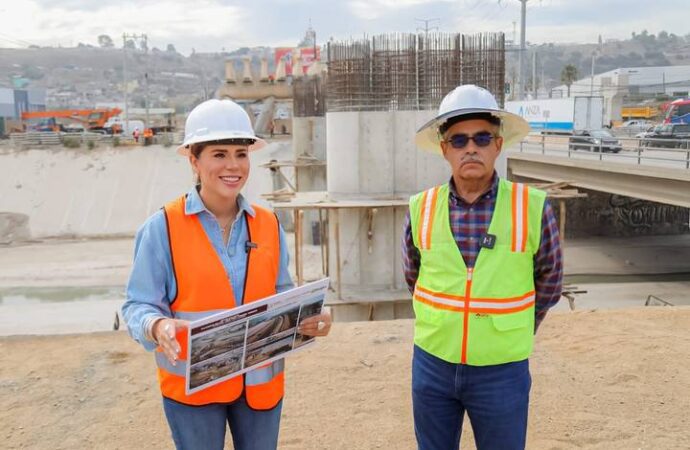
(207, 251)
(482, 259)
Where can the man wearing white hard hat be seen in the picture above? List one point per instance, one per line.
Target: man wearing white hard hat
(482, 259)
(208, 251)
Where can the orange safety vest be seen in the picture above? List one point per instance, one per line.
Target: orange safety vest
(203, 289)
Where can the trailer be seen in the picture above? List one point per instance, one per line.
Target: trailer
(561, 115)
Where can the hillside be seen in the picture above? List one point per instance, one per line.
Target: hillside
(85, 75)
(641, 50)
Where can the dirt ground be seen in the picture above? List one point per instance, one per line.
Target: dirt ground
(614, 379)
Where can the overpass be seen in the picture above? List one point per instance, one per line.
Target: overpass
(659, 175)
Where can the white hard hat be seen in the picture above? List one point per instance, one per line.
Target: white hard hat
(215, 120)
(470, 99)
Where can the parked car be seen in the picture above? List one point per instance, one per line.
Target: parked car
(594, 140)
(648, 131)
(636, 124)
(668, 136)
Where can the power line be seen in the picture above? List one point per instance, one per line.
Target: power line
(426, 27)
(16, 41)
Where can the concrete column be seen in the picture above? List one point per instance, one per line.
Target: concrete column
(372, 155)
(247, 70)
(297, 70)
(263, 76)
(280, 71)
(230, 76)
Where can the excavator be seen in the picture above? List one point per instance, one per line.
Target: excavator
(91, 119)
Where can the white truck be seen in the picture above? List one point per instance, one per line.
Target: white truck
(561, 115)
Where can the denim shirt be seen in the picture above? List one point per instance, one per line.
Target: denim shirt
(151, 284)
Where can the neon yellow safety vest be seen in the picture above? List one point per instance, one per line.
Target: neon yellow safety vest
(485, 315)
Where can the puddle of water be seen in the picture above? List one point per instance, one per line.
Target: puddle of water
(35, 295)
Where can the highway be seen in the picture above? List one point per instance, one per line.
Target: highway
(632, 152)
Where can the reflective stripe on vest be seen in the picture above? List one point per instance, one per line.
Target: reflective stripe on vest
(520, 202)
(476, 305)
(427, 221)
(203, 289)
(484, 315)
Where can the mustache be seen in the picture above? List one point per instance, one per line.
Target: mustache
(471, 158)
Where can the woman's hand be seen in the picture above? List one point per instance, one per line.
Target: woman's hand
(163, 332)
(318, 325)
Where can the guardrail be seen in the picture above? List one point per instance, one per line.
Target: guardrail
(41, 139)
(643, 150)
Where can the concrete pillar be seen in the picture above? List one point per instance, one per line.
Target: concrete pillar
(280, 70)
(297, 71)
(370, 155)
(263, 76)
(230, 76)
(265, 116)
(247, 70)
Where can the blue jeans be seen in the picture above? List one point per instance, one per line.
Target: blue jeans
(496, 399)
(203, 427)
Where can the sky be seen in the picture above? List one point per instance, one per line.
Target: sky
(217, 25)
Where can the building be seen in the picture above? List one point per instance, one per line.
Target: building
(13, 102)
(622, 85)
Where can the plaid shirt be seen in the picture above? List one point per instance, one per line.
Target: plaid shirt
(469, 222)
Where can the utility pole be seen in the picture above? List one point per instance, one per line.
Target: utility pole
(521, 53)
(591, 78)
(143, 43)
(147, 124)
(124, 80)
(426, 26)
(534, 75)
(424, 46)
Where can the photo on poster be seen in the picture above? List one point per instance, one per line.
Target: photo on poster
(271, 323)
(218, 341)
(261, 353)
(309, 309)
(212, 369)
(271, 339)
(232, 342)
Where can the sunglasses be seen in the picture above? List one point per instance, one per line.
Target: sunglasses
(481, 139)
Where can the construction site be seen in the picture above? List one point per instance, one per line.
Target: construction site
(609, 366)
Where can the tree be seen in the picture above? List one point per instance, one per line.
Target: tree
(130, 45)
(105, 41)
(170, 48)
(568, 76)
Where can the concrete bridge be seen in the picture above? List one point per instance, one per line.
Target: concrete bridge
(658, 175)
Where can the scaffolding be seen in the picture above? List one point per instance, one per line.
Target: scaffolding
(395, 72)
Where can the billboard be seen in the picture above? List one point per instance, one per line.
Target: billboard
(307, 56)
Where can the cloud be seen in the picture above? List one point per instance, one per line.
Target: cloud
(209, 25)
(568, 21)
(374, 9)
(202, 22)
